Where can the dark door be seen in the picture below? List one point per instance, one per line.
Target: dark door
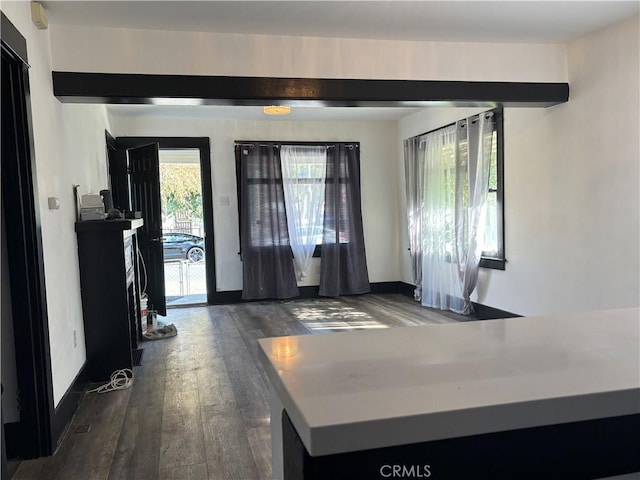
(118, 177)
(144, 167)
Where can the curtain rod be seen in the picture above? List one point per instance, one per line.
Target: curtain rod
(489, 113)
(474, 119)
(250, 144)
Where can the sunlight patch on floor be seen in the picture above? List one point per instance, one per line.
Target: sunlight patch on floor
(344, 326)
(334, 316)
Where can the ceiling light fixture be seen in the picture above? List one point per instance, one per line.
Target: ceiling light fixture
(180, 102)
(276, 110)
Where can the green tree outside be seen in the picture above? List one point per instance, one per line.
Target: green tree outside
(181, 190)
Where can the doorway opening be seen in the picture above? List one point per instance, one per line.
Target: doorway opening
(175, 213)
(183, 232)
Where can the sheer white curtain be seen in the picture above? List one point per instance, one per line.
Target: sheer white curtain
(303, 177)
(480, 143)
(440, 280)
(457, 161)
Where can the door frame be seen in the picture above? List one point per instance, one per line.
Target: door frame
(39, 429)
(203, 144)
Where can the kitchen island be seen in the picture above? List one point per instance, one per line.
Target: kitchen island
(531, 397)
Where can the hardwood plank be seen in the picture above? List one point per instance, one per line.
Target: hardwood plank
(248, 386)
(380, 310)
(180, 359)
(229, 454)
(250, 338)
(138, 450)
(260, 443)
(208, 359)
(91, 457)
(148, 387)
(252, 321)
(185, 379)
(234, 353)
(224, 326)
(275, 320)
(398, 310)
(214, 387)
(182, 399)
(188, 472)
(242, 391)
(182, 440)
(333, 315)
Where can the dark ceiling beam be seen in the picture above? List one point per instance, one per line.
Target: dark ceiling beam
(117, 88)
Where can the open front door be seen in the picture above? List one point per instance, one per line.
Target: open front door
(144, 168)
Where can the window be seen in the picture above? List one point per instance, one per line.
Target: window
(260, 196)
(294, 198)
(303, 178)
(457, 144)
(493, 246)
(493, 251)
(259, 178)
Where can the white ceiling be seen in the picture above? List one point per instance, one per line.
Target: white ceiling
(473, 21)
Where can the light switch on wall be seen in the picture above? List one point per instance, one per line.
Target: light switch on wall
(224, 201)
(54, 203)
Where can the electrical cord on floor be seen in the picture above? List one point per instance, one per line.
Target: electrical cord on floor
(144, 270)
(120, 380)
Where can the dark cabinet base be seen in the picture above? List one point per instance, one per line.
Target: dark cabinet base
(579, 450)
(109, 281)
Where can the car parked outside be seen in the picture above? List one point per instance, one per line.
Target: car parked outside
(183, 246)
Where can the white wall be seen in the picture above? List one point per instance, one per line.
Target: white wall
(379, 173)
(572, 196)
(69, 149)
(113, 50)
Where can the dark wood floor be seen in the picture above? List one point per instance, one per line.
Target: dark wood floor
(199, 404)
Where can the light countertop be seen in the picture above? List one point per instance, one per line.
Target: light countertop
(359, 390)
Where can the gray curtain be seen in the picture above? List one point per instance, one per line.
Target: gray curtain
(343, 265)
(267, 261)
(413, 172)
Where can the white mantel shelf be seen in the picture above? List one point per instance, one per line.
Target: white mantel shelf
(360, 390)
